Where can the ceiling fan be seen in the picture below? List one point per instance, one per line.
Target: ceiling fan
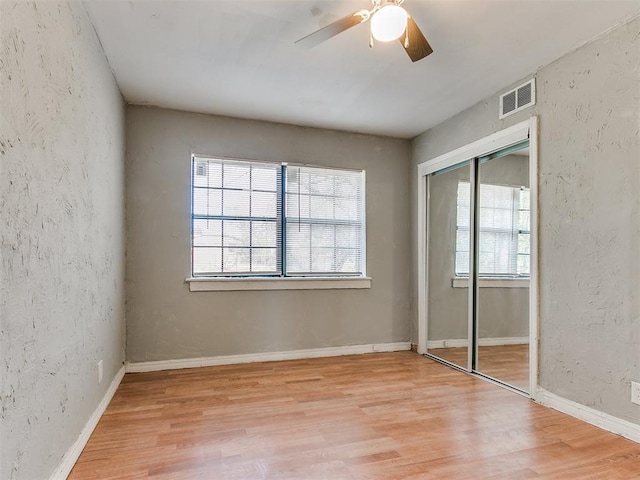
(389, 21)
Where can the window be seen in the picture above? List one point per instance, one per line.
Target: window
(262, 219)
(504, 217)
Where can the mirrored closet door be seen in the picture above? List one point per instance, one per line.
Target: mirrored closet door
(448, 251)
(502, 252)
(478, 265)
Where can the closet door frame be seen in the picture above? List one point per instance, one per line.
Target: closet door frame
(497, 141)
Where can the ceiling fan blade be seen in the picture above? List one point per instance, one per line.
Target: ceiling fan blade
(330, 30)
(416, 45)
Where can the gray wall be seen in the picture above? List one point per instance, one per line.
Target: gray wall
(167, 321)
(62, 236)
(504, 312)
(589, 206)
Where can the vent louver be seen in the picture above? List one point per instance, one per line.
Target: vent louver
(518, 99)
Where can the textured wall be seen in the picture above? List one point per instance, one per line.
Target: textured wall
(589, 202)
(61, 204)
(166, 321)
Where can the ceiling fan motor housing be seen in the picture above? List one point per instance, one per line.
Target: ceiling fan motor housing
(394, 24)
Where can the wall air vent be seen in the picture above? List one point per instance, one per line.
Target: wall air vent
(518, 99)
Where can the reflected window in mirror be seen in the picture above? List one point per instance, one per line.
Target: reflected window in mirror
(504, 216)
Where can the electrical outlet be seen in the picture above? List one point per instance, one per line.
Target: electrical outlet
(100, 372)
(635, 392)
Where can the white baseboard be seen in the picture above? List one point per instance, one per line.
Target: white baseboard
(153, 366)
(450, 343)
(483, 342)
(71, 457)
(594, 417)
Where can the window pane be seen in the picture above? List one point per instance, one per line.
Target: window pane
(462, 240)
(200, 169)
(322, 260)
(264, 178)
(236, 260)
(207, 173)
(462, 262)
(207, 260)
(329, 237)
(200, 201)
(487, 242)
(263, 260)
(462, 230)
(243, 190)
(346, 209)
(496, 196)
(486, 218)
(524, 265)
(235, 203)
(207, 233)
(322, 236)
(297, 180)
(496, 218)
(321, 207)
(503, 255)
(464, 217)
(236, 175)
(207, 202)
(298, 247)
(292, 205)
(347, 261)
(264, 234)
(500, 218)
(347, 187)
(299, 206)
(486, 262)
(524, 220)
(348, 236)
(525, 197)
(503, 219)
(236, 233)
(264, 204)
(321, 181)
(524, 240)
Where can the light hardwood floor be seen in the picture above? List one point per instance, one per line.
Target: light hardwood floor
(507, 363)
(379, 416)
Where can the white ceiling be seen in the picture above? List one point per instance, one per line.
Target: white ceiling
(237, 57)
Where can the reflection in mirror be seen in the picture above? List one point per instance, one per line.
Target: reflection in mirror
(502, 316)
(448, 221)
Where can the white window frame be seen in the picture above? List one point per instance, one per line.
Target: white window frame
(280, 282)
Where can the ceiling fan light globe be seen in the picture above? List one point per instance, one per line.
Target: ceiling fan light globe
(388, 23)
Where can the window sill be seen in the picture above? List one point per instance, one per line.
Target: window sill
(498, 282)
(209, 284)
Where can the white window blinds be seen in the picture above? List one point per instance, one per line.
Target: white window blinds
(252, 218)
(324, 221)
(235, 217)
(504, 237)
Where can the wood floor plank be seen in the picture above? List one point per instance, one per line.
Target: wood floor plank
(380, 416)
